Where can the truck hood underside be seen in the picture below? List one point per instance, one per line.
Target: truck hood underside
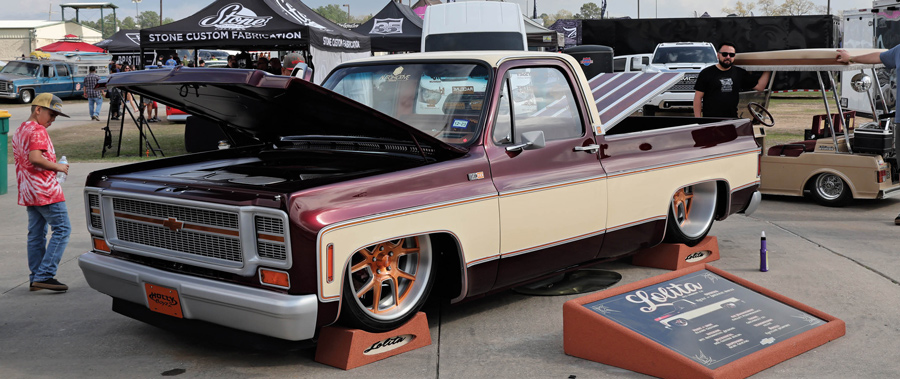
(268, 107)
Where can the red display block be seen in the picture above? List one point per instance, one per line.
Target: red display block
(676, 256)
(699, 322)
(350, 348)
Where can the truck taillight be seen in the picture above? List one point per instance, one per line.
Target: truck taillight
(882, 175)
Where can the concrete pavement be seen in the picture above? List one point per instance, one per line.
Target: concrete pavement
(840, 261)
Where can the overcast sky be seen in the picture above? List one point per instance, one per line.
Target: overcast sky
(177, 9)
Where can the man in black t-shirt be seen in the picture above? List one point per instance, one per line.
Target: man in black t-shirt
(718, 87)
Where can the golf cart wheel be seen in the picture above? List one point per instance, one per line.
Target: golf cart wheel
(26, 96)
(691, 213)
(830, 190)
(387, 283)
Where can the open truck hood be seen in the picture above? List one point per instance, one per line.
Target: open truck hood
(269, 107)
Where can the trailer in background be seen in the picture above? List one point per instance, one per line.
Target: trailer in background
(877, 27)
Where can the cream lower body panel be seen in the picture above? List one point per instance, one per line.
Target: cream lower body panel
(789, 175)
(646, 193)
(474, 223)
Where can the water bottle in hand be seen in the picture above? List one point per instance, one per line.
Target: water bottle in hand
(61, 176)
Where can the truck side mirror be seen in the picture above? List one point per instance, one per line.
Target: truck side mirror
(530, 141)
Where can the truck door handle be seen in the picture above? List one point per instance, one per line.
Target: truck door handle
(589, 148)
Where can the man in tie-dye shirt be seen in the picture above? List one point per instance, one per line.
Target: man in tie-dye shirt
(40, 192)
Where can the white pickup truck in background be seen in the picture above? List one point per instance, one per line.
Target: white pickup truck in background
(687, 57)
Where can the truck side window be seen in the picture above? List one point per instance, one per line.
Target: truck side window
(62, 70)
(48, 71)
(539, 99)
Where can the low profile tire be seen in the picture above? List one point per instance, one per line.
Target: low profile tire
(691, 213)
(387, 283)
(830, 190)
(27, 96)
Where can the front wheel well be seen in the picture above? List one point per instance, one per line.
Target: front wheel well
(449, 266)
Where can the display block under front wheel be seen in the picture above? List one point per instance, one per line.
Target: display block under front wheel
(387, 283)
(691, 213)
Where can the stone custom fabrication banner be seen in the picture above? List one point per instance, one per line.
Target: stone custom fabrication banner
(222, 35)
(705, 317)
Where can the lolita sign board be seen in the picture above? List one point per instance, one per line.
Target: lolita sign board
(692, 323)
(706, 317)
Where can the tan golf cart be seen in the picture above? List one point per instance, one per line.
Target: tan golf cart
(837, 160)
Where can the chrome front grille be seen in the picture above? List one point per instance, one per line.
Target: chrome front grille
(686, 83)
(197, 232)
(4, 86)
(270, 238)
(185, 214)
(94, 206)
(204, 245)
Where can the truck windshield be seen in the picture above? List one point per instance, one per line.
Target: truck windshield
(684, 54)
(21, 68)
(443, 100)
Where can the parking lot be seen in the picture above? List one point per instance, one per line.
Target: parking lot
(840, 261)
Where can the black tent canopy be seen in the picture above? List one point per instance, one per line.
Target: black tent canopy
(394, 28)
(262, 25)
(255, 24)
(125, 40)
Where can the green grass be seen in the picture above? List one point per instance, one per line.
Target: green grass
(777, 137)
(85, 143)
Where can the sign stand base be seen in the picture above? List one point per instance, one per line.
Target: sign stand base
(347, 348)
(676, 256)
(593, 329)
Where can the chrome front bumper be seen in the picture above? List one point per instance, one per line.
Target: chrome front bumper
(253, 310)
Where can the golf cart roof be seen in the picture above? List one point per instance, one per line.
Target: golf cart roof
(801, 60)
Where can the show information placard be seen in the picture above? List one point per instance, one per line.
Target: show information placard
(706, 317)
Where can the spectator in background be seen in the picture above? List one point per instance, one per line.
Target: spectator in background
(92, 94)
(171, 62)
(890, 59)
(291, 60)
(718, 87)
(262, 64)
(112, 67)
(202, 63)
(275, 67)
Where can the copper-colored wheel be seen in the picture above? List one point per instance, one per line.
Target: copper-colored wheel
(691, 213)
(389, 281)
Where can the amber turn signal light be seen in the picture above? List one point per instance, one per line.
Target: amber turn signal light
(100, 245)
(274, 278)
(329, 262)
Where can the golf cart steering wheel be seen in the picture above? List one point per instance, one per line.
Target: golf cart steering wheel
(760, 114)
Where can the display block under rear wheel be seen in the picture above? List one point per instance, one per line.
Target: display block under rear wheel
(691, 213)
(387, 283)
(830, 190)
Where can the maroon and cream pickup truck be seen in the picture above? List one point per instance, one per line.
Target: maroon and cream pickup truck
(451, 174)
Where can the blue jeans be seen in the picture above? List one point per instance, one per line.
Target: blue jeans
(94, 105)
(43, 257)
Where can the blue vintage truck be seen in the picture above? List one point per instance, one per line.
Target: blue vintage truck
(62, 75)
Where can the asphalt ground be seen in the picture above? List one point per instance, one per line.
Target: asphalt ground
(840, 261)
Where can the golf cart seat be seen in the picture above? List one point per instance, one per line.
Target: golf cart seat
(793, 149)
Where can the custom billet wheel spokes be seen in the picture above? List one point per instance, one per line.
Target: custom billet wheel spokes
(390, 278)
(691, 213)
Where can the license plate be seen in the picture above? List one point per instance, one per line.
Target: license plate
(163, 300)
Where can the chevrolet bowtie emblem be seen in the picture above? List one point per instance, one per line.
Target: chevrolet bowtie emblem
(173, 224)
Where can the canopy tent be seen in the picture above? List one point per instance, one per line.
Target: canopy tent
(125, 47)
(394, 28)
(70, 46)
(262, 25)
(125, 40)
(420, 6)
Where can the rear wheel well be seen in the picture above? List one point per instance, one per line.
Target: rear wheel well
(723, 200)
